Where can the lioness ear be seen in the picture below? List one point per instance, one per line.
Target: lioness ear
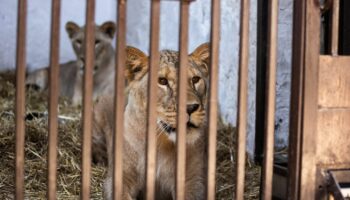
(108, 28)
(136, 64)
(72, 28)
(202, 54)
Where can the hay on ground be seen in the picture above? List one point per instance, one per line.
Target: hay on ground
(69, 153)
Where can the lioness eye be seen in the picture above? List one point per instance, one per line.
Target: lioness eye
(78, 41)
(97, 42)
(162, 81)
(195, 79)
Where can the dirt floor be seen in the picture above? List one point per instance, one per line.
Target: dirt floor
(69, 170)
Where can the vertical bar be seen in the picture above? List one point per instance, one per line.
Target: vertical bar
(310, 66)
(119, 101)
(87, 99)
(182, 101)
(344, 27)
(260, 80)
(213, 87)
(53, 100)
(20, 96)
(270, 102)
(296, 100)
(152, 92)
(335, 27)
(242, 99)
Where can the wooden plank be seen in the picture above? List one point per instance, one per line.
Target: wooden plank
(53, 99)
(334, 82)
(87, 99)
(242, 100)
(119, 101)
(182, 102)
(20, 96)
(333, 136)
(309, 105)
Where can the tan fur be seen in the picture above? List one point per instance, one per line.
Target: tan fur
(71, 73)
(135, 126)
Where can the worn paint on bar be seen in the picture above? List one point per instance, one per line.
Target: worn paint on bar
(152, 91)
(53, 100)
(87, 99)
(242, 100)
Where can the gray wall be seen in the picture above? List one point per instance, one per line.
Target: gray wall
(39, 12)
(38, 29)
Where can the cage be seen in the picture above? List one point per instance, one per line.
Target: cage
(315, 165)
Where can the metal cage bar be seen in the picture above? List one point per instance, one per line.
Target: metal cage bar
(270, 101)
(152, 92)
(20, 96)
(87, 99)
(335, 27)
(119, 101)
(242, 99)
(53, 99)
(182, 101)
(213, 89)
(296, 101)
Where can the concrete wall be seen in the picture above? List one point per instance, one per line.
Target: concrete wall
(39, 12)
(38, 29)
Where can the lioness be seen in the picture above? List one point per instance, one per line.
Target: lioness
(135, 126)
(71, 73)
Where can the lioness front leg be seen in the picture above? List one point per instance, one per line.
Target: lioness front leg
(129, 192)
(194, 189)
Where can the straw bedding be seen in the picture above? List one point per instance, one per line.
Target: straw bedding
(68, 169)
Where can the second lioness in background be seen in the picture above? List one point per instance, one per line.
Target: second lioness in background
(71, 73)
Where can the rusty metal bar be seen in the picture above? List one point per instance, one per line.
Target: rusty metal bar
(182, 101)
(295, 122)
(152, 92)
(20, 96)
(119, 101)
(213, 88)
(53, 100)
(87, 98)
(335, 28)
(242, 99)
(270, 102)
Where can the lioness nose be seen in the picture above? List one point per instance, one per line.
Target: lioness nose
(191, 108)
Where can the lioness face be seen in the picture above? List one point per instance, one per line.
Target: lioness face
(197, 80)
(103, 38)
